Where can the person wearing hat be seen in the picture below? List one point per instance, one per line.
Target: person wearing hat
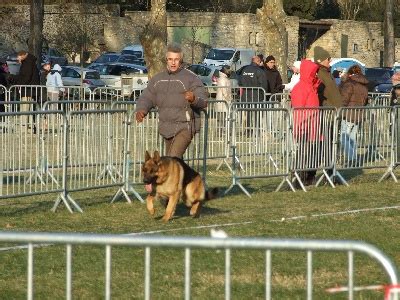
(54, 83)
(328, 91)
(273, 76)
(295, 77)
(224, 93)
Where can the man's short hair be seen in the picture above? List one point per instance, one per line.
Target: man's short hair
(175, 48)
(22, 53)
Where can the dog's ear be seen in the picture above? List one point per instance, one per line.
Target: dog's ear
(147, 156)
(156, 156)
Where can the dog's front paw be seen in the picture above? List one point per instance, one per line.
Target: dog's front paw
(151, 211)
(166, 218)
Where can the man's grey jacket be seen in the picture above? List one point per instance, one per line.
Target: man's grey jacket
(166, 92)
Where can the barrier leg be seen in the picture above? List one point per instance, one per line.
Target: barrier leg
(389, 172)
(325, 175)
(297, 177)
(287, 180)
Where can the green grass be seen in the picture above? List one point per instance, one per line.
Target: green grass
(263, 211)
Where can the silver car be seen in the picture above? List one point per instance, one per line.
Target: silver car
(71, 76)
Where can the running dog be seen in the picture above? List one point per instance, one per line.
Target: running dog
(170, 178)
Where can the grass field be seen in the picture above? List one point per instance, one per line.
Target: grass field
(260, 216)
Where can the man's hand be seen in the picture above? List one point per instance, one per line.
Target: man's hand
(140, 116)
(189, 96)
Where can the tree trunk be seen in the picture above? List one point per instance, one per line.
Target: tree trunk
(36, 29)
(272, 19)
(388, 32)
(154, 38)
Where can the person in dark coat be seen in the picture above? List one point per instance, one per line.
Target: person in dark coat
(28, 78)
(273, 76)
(28, 75)
(3, 83)
(253, 77)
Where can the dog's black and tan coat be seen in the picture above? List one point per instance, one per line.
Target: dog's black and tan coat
(172, 178)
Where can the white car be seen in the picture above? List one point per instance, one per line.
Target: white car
(71, 76)
(127, 77)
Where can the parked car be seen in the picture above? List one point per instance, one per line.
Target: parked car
(136, 50)
(345, 63)
(129, 59)
(209, 76)
(54, 56)
(71, 76)
(105, 58)
(379, 79)
(113, 74)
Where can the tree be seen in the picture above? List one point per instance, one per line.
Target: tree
(36, 29)
(304, 9)
(272, 19)
(388, 35)
(154, 38)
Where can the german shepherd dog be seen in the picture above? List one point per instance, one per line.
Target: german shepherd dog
(170, 178)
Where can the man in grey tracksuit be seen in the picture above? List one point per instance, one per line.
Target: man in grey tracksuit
(179, 96)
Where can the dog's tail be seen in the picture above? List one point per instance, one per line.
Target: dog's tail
(211, 194)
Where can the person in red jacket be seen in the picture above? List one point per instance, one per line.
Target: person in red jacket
(305, 121)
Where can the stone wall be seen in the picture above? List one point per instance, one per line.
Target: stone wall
(365, 41)
(64, 26)
(197, 31)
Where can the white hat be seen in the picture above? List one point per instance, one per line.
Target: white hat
(57, 67)
(297, 64)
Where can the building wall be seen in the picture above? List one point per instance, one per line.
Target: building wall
(365, 41)
(197, 31)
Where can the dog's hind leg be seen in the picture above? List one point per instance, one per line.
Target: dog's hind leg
(150, 204)
(172, 201)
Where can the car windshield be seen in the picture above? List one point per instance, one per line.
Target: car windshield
(132, 52)
(92, 75)
(106, 58)
(131, 59)
(217, 54)
(384, 74)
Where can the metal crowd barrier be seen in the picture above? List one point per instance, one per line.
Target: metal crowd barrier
(312, 136)
(364, 138)
(77, 105)
(188, 243)
(258, 150)
(395, 142)
(31, 156)
(109, 94)
(282, 98)
(380, 100)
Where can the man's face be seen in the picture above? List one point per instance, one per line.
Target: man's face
(47, 67)
(271, 64)
(20, 58)
(173, 61)
(326, 62)
(397, 92)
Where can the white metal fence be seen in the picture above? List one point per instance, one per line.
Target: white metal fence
(188, 244)
(253, 139)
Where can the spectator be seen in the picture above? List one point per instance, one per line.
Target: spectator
(4, 82)
(337, 76)
(273, 76)
(179, 95)
(253, 77)
(224, 93)
(295, 77)
(255, 84)
(305, 95)
(54, 84)
(328, 91)
(395, 100)
(354, 91)
(46, 68)
(27, 76)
